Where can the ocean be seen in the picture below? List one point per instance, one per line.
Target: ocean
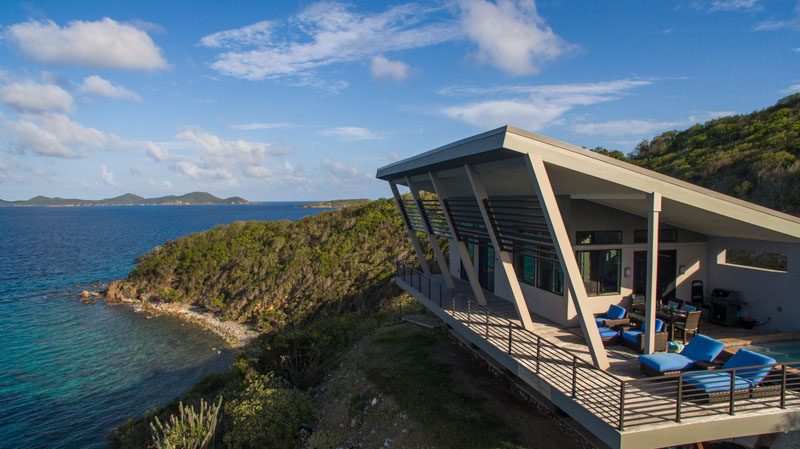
(71, 372)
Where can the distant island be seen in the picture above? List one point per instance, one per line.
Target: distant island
(335, 204)
(129, 199)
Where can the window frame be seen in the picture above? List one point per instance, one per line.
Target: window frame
(593, 238)
(592, 253)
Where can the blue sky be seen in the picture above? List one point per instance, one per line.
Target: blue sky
(298, 101)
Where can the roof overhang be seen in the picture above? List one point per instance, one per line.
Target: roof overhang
(584, 174)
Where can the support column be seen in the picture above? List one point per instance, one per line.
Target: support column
(569, 265)
(463, 253)
(423, 263)
(437, 251)
(651, 290)
(506, 262)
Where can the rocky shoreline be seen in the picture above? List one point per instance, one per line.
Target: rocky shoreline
(235, 334)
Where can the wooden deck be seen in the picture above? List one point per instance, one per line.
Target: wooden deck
(556, 361)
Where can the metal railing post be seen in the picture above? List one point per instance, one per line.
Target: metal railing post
(510, 337)
(454, 305)
(783, 386)
(469, 312)
(538, 350)
(621, 426)
(440, 296)
(486, 311)
(574, 375)
(679, 401)
(732, 395)
(430, 295)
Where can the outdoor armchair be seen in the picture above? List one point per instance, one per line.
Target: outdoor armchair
(613, 317)
(635, 338)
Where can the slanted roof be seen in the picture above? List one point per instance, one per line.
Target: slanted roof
(585, 174)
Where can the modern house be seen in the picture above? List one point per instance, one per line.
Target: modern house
(543, 235)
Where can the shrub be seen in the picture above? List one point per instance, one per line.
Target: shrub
(189, 429)
(267, 415)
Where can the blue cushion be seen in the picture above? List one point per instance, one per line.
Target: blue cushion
(659, 325)
(703, 349)
(600, 321)
(666, 362)
(744, 358)
(606, 332)
(632, 336)
(615, 312)
(715, 382)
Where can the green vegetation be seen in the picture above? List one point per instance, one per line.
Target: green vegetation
(268, 414)
(336, 204)
(751, 156)
(188, 429)
(128, 199)
(270, 274)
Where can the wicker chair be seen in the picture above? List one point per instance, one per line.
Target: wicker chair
(615, 316)
(635, 339)
(690, 325)
(750, 368)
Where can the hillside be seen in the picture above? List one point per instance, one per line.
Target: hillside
(751, 156)
(335, 204)
(127, 200)
(269, 274)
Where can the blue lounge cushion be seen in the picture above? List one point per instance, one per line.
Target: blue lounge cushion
(601, 321)
(615, 312)
(606, 332)
(666, 362)
(703, 349)
(715, 382)
(754, 366)
(632, 336)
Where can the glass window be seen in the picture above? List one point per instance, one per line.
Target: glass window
(600, 271)
(756, 259)
(598, 237)
(664, 235)
(540, 273)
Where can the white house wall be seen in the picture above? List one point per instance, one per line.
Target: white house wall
(769, 295)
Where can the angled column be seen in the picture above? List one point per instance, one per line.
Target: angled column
(423, 263)
(651, 289)
(461, 247)
(569, 265)
(506, 262)
(437, 251)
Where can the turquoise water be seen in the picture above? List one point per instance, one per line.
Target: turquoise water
(782, 351)
(71, 372)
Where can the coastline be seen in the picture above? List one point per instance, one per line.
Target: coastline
(237, 335)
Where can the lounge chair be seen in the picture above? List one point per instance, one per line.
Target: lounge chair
(635, 338)
(748, 368)
(701, 350)
(608, 336)
(613, 317)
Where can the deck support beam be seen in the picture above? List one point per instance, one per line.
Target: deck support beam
(460, 245)
(506, 262)
(412, 235)
(438, 255)
(651, 289)
(569, 264)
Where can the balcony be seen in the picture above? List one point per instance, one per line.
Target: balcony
(619, 406)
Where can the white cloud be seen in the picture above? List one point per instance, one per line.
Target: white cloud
(531, 106)
(260, 125)
(241, 151)
(254, 34)
(161, 185)
(107, 177)
(198, 173)
(9, 171)
(28, 96)
(350, 133)
(323, 34)
(796, 50)
(388, 69)
(624, 127)
(340, 175)
(95, 85)
(792, 23)
(510, 35)
(791, 89)
(156, 152)
(727, 5)
(105, 43)
(56, 135)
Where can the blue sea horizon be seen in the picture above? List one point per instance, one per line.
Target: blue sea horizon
(71, 372)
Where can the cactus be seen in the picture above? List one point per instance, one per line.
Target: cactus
(189, 429)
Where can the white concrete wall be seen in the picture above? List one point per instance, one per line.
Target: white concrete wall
(769, 295)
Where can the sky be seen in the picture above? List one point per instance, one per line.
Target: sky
(281, 101)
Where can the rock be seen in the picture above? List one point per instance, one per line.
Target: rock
(374, 402)
(84, 294)
(386, 442)
(86, 298)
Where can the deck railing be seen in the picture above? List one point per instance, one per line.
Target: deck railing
(622, 403)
